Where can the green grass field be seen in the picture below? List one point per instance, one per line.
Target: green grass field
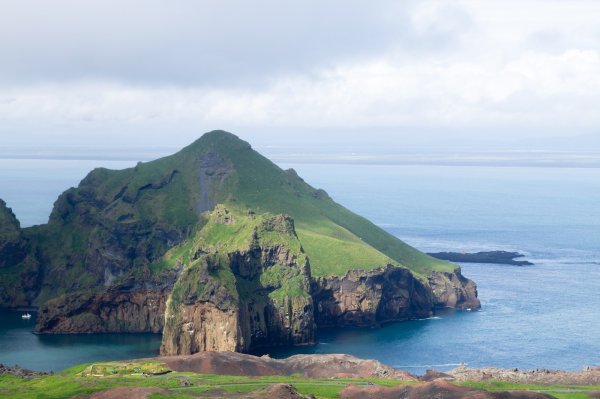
(89, 378)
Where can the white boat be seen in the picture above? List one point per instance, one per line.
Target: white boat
(26, 316)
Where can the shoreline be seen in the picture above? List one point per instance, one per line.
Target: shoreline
(332, 366)
(235, 376)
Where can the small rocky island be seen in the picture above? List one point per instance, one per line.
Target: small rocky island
(497, 257)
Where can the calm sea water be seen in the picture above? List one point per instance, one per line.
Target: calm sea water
(542, 316)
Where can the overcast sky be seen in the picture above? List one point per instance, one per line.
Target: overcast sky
(277, 72)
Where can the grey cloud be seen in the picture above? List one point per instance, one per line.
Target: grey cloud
(202, 43)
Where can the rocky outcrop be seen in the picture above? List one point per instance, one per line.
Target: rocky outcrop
(110, 311)
(587, 376)
(370, 298)
(20, 277)
(453, 290)
(309, 366)
(13, 247)
(19, 371)
(230, 299)
(202, 327)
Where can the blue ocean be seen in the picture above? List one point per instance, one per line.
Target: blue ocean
(541, 316)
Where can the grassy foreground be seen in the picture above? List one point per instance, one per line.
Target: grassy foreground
(81, 381)
(86, 379)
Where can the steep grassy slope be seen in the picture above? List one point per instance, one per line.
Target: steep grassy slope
(157, 204)
(245, 283)
(334, 238)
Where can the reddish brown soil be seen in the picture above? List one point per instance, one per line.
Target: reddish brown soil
(439, 389)
(311, 366)
(127, 393)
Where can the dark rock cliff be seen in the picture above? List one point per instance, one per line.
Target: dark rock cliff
(125, 307)
(109, 311)
(20, 271)
(242, 299)
(13, 246)
(370, 298)
(453, 290)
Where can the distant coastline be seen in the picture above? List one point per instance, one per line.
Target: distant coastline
(416, 156)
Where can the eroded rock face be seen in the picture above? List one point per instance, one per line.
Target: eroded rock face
(19, 263)
(13, 247)
(202, 327)
(453, 290)
(110, 311)
(242, 299)
(369, 298)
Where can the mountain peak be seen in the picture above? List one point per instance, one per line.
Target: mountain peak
(218, 140)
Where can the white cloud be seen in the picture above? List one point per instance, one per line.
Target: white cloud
(534, 90)
(527, 65)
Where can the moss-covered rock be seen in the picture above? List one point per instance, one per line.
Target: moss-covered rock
(247, 285)
(13, 247)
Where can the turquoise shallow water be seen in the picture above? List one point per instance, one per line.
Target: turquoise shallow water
(543, 316)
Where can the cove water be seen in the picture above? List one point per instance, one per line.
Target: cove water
(541, 316)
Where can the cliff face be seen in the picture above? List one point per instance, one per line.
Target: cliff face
(453, 290)
(13, 247)
(240, 299)
(110, 311)
(362, 298)
(20, 276)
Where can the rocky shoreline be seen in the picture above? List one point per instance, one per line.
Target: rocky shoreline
(587, 376)
(18, 371)
(343, 366)
(347, 366)
(354, 378)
